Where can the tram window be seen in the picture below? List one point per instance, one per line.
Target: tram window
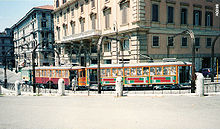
(152, 71)
(59, 73)
(38, 73)
(42, 73)
(165, 70)
(45, 73)
(133, 72)
(66, 73)
(50, 73)
(82, 73)
(120, 72)
(108, 72)
(54, 73)
(146, 70)
(159, 70)
(102, 72)
(127, 72)
(114, 72)
(139, 71)
(173, 70)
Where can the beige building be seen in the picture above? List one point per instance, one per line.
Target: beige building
(145, 24)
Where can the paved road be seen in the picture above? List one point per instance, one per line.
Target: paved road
(108, 112)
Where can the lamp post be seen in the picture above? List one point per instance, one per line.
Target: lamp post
(191, 33)
(5, 64)
(98, 70)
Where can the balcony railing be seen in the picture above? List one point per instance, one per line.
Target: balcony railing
(83, 35)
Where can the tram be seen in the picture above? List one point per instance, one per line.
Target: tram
(143, 74)
(50, 75)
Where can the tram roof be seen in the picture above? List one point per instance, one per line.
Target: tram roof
(141, 64)
(54, 67)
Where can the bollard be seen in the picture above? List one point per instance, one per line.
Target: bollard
(119, 87)
(200, 84)
(17, 88)
(61, 87)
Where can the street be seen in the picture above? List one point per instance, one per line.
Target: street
(108, 112)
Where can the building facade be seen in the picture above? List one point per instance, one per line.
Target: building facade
(6, 47)
(144, 25)
(35, 29)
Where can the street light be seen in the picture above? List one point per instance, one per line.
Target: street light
(5, 64)
(191, 33)
(33, 64)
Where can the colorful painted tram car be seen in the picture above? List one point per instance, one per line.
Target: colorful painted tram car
(46, 75)
(160, 73)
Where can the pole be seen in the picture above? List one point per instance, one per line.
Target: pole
(217, 70)
(33, 70)
(5, 71)
(98, 70)
(190, 32)
(193, 67)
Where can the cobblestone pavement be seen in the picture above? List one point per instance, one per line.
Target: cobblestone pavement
(108, 112)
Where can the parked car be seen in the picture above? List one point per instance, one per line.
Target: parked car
(207, 72)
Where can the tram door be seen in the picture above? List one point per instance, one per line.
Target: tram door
(73, 73)
(93, 76)
(184, 74)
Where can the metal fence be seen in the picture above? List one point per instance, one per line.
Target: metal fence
(209, 87)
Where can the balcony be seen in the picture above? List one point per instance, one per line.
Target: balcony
(85, 35)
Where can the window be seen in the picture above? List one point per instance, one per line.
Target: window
(73, 27)
(81, 6)
(155, 41)
(93, 3)
(170, 15)
(107, 15)
(93, 49)
(139, 71)
(197, 17)
(209, 42)
(125, 45)
(108, 61)
(64, 1)
(120, 72)
(124, 14)
(146, 70)
(197, 42)
(58, 33)
(133, 72)
(64, 16)
(170, 41)
(82, 25)
(155, 12)
(43, 24)
(72, 12)
(65, 30)
(57, 3)
(114, 72)
(93, 22)
(107, 46)
(43, 15)
(108, 72)
(183, 16)
(208, 19)
(184, 41)
(58, 19)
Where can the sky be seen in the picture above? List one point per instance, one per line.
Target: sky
(11, 11)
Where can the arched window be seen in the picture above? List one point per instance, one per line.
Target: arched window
(57, 3)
